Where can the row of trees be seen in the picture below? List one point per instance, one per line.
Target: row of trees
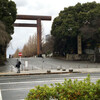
(8, 13)
(30, 48)
(81, 19)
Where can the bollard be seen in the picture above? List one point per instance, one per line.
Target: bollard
(70, 70)
(32, 67)
(63, 69)
(79, 66)
(11, 69)
(42, 63)
(58, 68)
(22, 68)
(87, 66)
(48, 71)
(26, 65)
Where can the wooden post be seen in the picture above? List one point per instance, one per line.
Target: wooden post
(39, 45)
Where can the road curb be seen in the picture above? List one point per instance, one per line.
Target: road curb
(20, 74)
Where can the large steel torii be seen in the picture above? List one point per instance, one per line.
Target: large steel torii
(38, 25)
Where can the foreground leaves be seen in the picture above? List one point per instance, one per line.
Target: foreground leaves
(68, 90)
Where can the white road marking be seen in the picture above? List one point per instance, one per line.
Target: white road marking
(23, 78)
(19, 89)
(45, 78)
(21, 99)
(0, 95)
(31, 82)
(45, 81)
(54, 80)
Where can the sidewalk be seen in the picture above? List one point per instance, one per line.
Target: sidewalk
(41, 72)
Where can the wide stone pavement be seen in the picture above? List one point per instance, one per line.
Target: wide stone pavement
(39, 72)
(40, 66)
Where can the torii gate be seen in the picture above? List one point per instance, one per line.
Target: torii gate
(38, 25)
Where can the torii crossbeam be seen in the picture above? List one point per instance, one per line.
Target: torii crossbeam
(38, 25)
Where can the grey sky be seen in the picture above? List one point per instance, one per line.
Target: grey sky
(38, 7)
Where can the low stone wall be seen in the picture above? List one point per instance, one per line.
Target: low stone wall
(98, 58)
(83, 57)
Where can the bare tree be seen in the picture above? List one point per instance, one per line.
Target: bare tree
(48, 46)
(30, 48)
(15, 55)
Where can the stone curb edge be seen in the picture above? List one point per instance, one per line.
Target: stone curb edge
(20, 74)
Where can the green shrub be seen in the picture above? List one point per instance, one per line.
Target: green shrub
(68, 90)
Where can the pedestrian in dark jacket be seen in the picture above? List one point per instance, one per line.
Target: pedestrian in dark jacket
(18, 66)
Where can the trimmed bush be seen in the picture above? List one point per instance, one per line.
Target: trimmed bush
(68, 90)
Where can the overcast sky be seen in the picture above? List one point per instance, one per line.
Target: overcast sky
(37, 7)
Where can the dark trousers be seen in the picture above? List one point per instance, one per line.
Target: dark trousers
(18, 70)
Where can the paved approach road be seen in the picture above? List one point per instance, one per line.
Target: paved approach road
(17, 87)
(48, 63)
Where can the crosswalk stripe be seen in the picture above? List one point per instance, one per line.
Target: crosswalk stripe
(56, 80)
(31, 82)
(0, 95)
(21, 99)
(18, 89)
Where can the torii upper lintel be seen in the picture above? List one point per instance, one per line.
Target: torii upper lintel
(33, 17)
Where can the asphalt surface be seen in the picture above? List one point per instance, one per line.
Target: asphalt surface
(17, 87)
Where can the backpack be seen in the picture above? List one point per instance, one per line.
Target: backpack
(16, 65)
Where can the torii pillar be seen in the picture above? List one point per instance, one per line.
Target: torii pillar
(38, 25)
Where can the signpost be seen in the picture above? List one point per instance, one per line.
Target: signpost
(20, 54)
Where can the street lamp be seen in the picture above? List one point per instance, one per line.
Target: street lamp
(70, 29)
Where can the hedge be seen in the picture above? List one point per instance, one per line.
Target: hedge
(68, 90)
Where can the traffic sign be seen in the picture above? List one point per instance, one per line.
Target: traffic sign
(20, 54)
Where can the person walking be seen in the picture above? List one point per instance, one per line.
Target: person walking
(18, 66)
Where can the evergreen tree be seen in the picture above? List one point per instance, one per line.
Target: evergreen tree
(81, 19)
(7, 17)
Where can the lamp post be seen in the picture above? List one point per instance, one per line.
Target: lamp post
(70, 29)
